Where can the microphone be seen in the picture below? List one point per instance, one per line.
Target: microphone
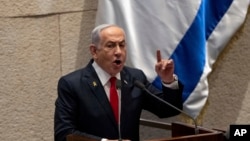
(140, 85)
(118, 85)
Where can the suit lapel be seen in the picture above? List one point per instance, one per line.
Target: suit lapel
(127, 85)
(99, 92)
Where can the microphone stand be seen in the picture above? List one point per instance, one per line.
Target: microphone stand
(118, 86)
(142, 86)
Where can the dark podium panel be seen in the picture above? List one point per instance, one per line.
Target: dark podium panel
(185, 132)
(180, 132)
(73, 137)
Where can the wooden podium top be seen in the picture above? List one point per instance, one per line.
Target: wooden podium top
(184, 132)
(180, 132)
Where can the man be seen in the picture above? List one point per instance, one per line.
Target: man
(84, 106)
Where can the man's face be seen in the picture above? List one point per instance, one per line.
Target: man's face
(110, 54)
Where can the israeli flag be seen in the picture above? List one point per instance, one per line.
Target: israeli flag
(191, 32)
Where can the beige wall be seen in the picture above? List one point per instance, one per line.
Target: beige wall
(41, 40)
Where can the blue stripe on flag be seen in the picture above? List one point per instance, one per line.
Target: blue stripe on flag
(189, 55)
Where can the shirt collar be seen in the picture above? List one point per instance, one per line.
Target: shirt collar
(103, 75)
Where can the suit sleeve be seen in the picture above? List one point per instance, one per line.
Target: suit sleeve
(65, 113)
(172, 96)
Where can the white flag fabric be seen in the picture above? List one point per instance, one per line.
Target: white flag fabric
(191, 32)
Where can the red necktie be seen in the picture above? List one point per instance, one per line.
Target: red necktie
(114, 100)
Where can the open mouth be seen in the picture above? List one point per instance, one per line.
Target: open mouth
(117, 62)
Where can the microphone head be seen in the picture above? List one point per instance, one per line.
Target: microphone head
(118, 84)
(139, 84)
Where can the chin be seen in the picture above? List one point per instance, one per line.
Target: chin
(114, 72)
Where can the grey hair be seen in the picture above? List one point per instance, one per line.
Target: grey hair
(95, 34)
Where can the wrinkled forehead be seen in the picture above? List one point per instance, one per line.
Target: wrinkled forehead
(115, 34)
(113, 31)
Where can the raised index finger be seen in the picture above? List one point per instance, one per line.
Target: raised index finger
(158, 55)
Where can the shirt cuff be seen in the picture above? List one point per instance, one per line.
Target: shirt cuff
(173, 85)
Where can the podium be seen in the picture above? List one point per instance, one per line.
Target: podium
(73, 137)
(180, 132)
(185, 132)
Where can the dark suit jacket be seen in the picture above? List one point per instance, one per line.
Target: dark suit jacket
(83, 108)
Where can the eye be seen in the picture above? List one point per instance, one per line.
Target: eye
(122, 44)
(111, 45)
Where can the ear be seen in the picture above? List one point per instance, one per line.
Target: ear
(93, 50)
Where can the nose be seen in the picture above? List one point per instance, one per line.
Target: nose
(118, 49)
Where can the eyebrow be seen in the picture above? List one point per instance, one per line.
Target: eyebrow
(116, 42)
